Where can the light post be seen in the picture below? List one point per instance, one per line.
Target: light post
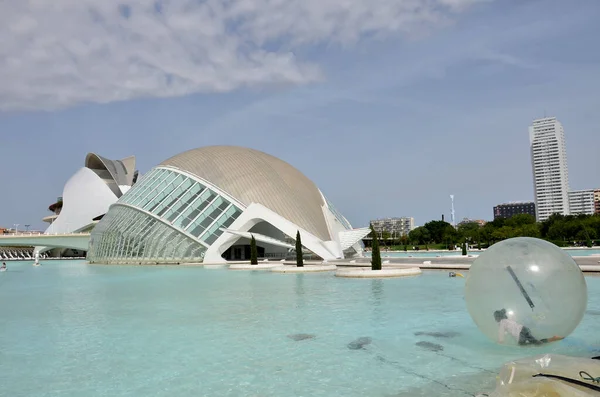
(16, 227)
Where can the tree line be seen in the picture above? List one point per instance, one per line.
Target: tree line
(562, 230)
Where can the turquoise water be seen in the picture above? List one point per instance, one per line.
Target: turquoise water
(433, 254)
(71, 329)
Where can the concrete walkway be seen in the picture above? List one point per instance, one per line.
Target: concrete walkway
(588, 264)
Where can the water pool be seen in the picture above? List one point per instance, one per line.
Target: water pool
(72, 329)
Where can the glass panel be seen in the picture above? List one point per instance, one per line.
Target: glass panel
(127, 235)
(211, 239)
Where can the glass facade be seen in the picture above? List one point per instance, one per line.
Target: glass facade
(165, 217)
(338, 215)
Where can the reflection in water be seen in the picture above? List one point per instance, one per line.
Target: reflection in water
(377, 297)
(300, 291)
(299, 287)
(377, 291)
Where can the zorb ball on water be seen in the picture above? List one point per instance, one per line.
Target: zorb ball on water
(535, 284)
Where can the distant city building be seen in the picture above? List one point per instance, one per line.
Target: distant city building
(549, 164)
(597, 201)
(582, 202)
(507, 210)
(394, 226)
(481, 222)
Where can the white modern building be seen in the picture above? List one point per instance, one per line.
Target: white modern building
(581, 202)
(88, 194)
(549, 164)
(204, 205)
(394, 226)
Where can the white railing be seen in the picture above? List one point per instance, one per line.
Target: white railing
(31, 234)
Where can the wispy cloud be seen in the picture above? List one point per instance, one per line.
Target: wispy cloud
(60, 53)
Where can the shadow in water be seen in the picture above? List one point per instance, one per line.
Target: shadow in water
(359, 343)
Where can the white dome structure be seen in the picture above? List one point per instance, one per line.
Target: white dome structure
(205, 205)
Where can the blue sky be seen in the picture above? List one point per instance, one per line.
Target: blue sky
(389, 106)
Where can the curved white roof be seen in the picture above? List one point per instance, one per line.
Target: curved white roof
(252, 176)
(121, 171)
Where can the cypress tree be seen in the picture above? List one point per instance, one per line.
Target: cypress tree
(464, 248)
(299, 259)
(253, 252)
(375, 254)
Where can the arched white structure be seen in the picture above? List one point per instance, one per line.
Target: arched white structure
(205, 204)
(89, 193)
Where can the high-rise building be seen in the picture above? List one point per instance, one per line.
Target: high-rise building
(597, 201)
(549, 164)
(394, 226)
(507, 210)
(582, 202)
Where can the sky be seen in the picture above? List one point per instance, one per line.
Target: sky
(389, 106)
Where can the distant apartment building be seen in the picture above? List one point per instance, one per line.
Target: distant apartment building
(549, 165)
(394, 226)
(507, 210)
(597, 201)
(582, 202)
(480, 222)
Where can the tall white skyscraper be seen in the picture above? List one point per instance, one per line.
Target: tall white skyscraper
(550, 171)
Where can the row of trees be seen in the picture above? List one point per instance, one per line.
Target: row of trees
(560, 229)
(299, 255)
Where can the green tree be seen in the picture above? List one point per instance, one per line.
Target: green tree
(419, 235)
(375, 254)
(299, 259)
(450, 236)
(464, 248)
(469, 230)
(520, 220)
(253, 252)
(437, 230)
(528, 230)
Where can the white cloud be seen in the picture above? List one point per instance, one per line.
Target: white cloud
(58, 53)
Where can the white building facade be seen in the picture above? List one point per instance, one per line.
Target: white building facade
(581, 202)
(394, 226)
(550, 171)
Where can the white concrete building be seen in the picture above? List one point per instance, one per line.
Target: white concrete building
(394, 226)
(88, 194)
(582, 202)
(549, 164)
(205, 205)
